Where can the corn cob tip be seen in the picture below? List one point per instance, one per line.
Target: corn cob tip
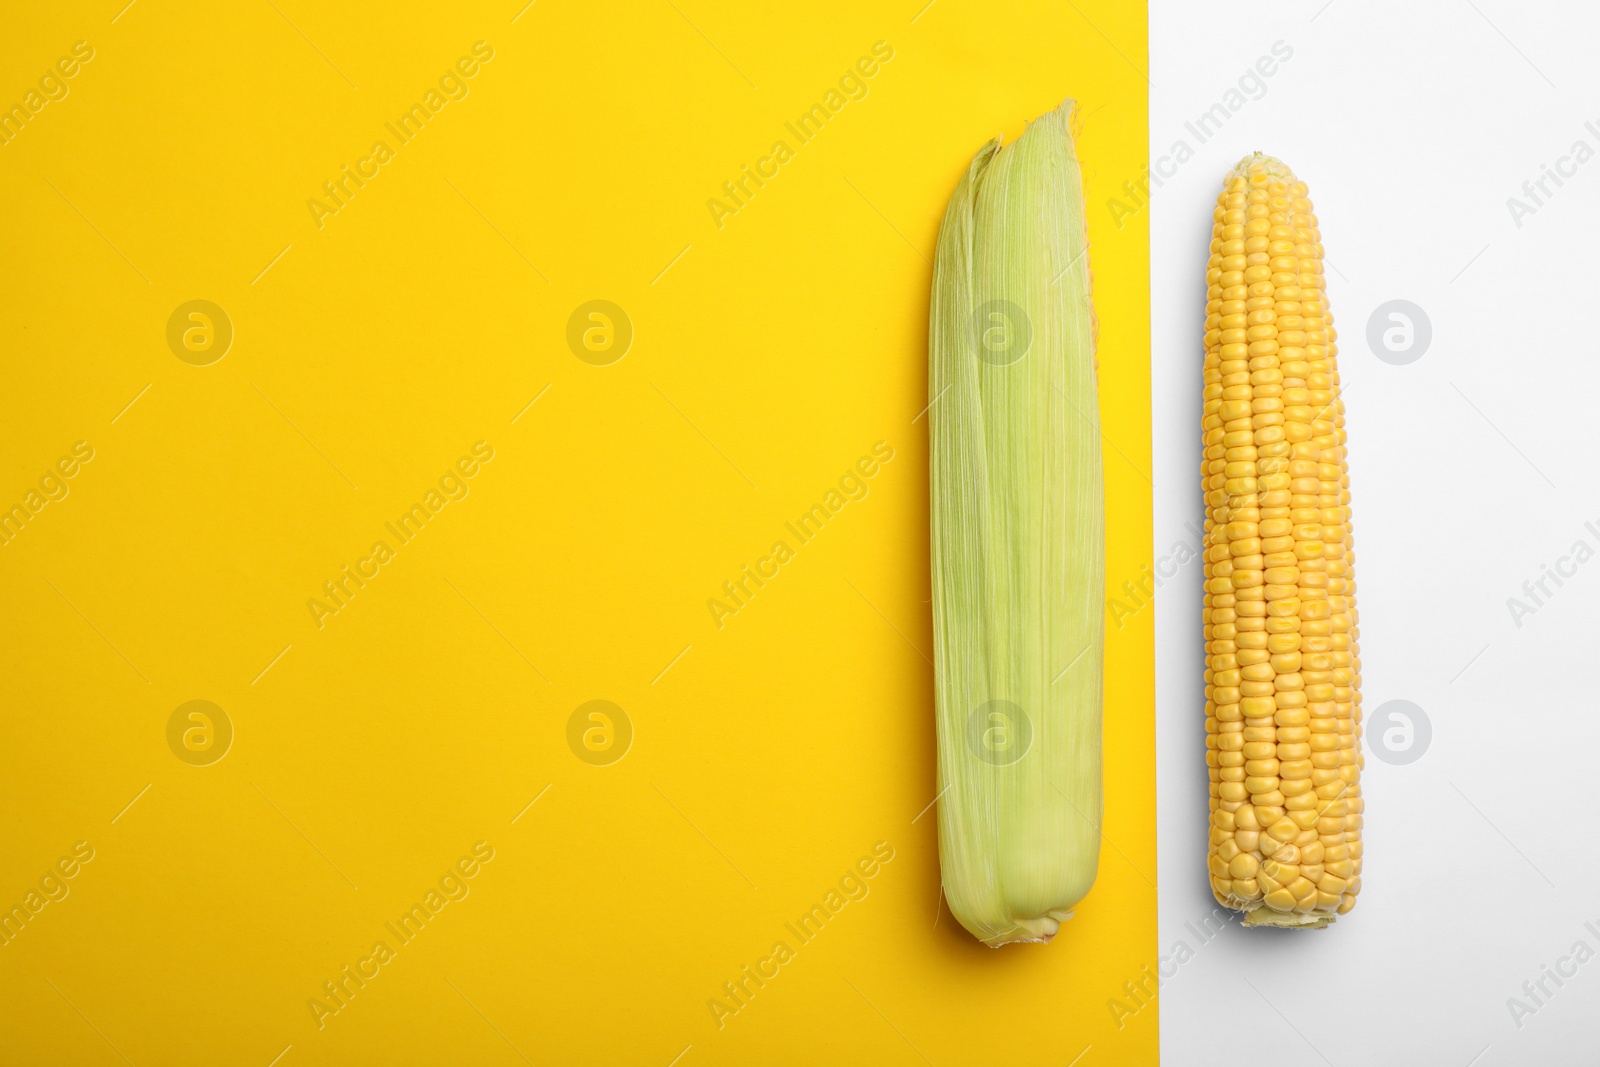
(1066, 111)
(1067, 114)
(1259, 163)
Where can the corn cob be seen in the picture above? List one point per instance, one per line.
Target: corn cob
(1018, 537)
(1283, 704)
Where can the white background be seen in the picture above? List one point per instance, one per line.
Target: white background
(1470, 468)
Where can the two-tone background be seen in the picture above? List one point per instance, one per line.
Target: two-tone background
(463, 486)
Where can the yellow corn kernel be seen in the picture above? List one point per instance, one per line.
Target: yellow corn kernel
(1282, 664)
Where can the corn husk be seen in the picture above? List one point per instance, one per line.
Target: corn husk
(1018, 540)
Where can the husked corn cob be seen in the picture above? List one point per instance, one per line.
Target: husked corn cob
(1283, 702)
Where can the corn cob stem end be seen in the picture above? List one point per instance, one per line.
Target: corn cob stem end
(1037, 931)
(1265, 916)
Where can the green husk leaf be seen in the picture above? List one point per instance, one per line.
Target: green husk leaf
(1018, 540)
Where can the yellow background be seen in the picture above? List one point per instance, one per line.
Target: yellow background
(423, 317)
